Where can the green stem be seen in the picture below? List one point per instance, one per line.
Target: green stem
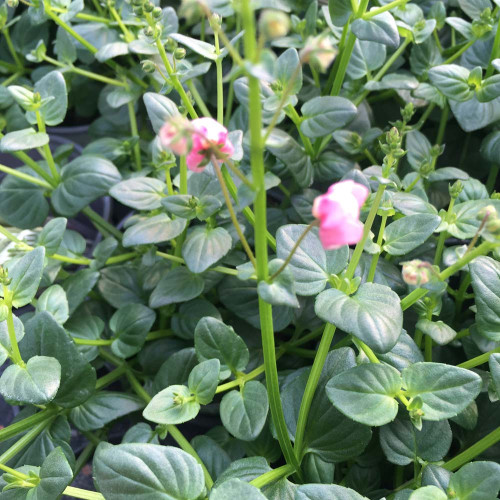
(197, 98)
(135, 133)
(478, 360)
(382, 71)
(12, 78)
(272, 475)
(183, 174)
(232, 213)
(218, 269)
(312, 384)
(492, 176)
(102, 223)
(495, 52)
(314, 223)
(476, 449)
(260, 228)
(424, 117)
(442, 124)
(27, 423)
(15, 353)
(428, 348)
(364, 348)
(220, 85)
(110, 377)
(25, 177)
(366, 231)
(347, 52)
(443, 236)
(459, 52)
(128, 36)
(21, 155)
(46, 148)
(376, 256)
(83, 72)
(384, 8)
(413, 183)
(96, 342)
(11, 48)
(413, 297)
(482, 249)
(71, 491)
(25, 440)
(297, 120)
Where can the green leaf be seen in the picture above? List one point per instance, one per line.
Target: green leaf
(324, 115)
(203, 380)
(485, 275)
(212, 454)
(156, 229)
(184, 322)
(22, 204)
(366, 57)
(379, 29)
(311, 264)
(181, 205)
(494, 363)
(52, 234)
(130, 325)
(78, 285)
(473, 115)
(476, 481)
(111, 50)
(452, 81)
(489, 89)
(36, 383)
(26, 274)
(281, 291)
(340, 11)
(288, 66)
(438, 331)
(174, 405)
(83, 180)
(373, 314)
(55, 475)
(286, 149)
(445, 390)
(205, 246)
(402, 443)
(407, 233)
(47, 338)
(52, 86)
(466, 223)
(236, 488)
(178, 285)
(54, 301)
(102, 408)
(244, 412)
(419, 149)
(64, 46)
(141, 193)
(141, 433)
(21, 140)
(204, 49)
(159, 109)
(215, 340)
(366, 393)
(121, 285)
(175, 369)
(131, 471)
(5, 345)
(490, 146)
(324, 491)
(428, 493)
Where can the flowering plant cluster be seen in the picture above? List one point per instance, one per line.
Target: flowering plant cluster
(250, 250)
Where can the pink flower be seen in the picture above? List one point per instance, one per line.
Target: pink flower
(208, 137)
(173, 136)
(338, 213)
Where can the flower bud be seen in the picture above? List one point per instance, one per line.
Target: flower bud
(416, 272)
(393, 138)
(319, 52)
(148, 7)
(148, 66)
(489, 212)
(455, 189)
(149, 32)
(179, 53)
(157, 13)
(407, 112)
(493, 226)
(137, 3)
(138, 11)
(170, 45)
(215, 21)
(273, 24)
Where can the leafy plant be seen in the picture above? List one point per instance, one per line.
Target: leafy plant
(301, 270)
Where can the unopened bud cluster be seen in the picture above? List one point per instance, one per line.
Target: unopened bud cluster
(417, 272)
(489, 217)
(392, 150)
